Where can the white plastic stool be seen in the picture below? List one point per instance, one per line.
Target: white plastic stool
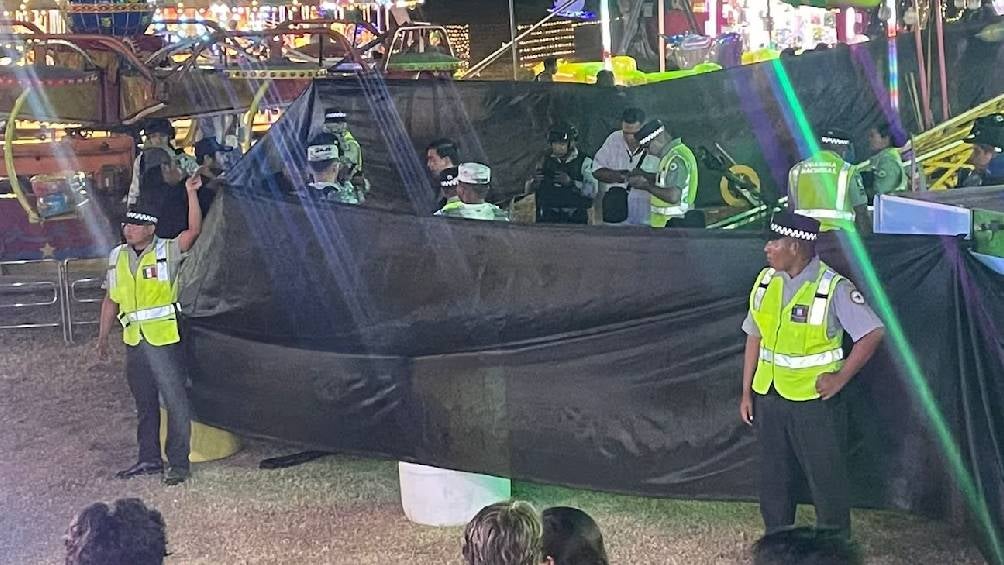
(441, 497)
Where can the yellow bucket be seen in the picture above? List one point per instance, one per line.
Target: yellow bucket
(208, 443)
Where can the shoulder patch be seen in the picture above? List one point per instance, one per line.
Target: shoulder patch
(856, 296)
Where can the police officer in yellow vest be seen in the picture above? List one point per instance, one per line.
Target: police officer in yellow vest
(143, 295)
(473, 184)
(668, 172)
(828, 188)
(336, 123)
(794, 370)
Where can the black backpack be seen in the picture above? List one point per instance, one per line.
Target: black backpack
(615, 205)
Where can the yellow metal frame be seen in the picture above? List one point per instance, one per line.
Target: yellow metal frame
(941, 151)
(8, 157)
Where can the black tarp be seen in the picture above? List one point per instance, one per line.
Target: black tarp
(504, 124)
(605, 358)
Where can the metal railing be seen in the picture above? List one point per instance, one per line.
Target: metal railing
(35, 289)
(75, 293)
(48, 293)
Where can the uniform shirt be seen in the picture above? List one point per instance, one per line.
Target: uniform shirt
(174, 259)
(888, 171)
(615, 154)
(847, 310)
(482, 211)
(341, 192)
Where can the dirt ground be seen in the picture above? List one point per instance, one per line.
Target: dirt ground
(66, 427)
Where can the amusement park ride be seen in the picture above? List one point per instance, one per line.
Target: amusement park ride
(107, 76)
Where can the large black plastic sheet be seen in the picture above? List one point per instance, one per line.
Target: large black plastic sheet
(504, 124)
(607, 358)
(599, 357)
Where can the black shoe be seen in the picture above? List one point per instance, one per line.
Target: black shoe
(141, 468)
(175, 476)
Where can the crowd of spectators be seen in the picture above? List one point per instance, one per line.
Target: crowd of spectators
(127, 532)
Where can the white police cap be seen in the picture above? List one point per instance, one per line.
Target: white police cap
(474, 173)
(324, 152)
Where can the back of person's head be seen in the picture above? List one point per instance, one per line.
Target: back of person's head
(323, 150)
(633, 116)
(505, 533)
(550, 63)
(606, 78)
(805, 546)
(571, 537)
(128, 533)
(446, 148)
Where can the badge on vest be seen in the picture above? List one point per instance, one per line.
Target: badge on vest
(150, 272)
(800, 314)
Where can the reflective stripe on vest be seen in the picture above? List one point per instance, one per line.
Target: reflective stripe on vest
(817, 312)
(802, 361)
(148, 314)
(676, 211)
(762, 288)
(826, 214)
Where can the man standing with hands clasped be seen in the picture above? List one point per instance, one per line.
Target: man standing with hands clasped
(143, 296)
(794, 370)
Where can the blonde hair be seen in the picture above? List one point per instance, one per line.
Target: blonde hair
(505, 533)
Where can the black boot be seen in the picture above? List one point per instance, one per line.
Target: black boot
(141, 468)
(176, 476)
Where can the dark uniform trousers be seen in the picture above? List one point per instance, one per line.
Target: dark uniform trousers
(154, 371)
(802, 438)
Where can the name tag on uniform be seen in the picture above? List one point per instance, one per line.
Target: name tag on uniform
(150, 272)
(800, 313)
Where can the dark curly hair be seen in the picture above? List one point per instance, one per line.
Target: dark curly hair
(571, 537)
(126, 533)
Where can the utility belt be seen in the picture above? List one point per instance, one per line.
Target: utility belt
(147, 314)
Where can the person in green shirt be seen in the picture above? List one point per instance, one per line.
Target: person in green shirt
(883, 173)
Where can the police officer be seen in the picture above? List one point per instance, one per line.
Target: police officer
(794, 370)
(326, 163)
(828, 188)
(336, 124)
(473, 184)
(563, 182)
(987, 138)
(668, 172)
(448, 183)
(883, 173)
(142, 294)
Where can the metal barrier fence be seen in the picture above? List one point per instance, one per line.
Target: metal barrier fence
(81, 287)
(48, 293)
(32, 300)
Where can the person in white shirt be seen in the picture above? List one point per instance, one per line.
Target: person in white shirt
(612, 165)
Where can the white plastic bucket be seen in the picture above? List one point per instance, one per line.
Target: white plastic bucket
(441, 497)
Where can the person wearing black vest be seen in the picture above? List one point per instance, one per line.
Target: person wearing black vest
(563, 181)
